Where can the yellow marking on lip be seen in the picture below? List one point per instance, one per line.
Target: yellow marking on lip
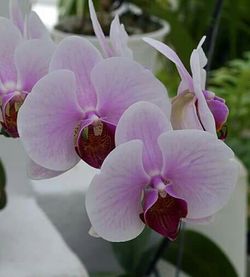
(98, 129)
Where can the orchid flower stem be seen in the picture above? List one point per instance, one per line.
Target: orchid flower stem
(162, 247)
(181, 249)
(213, 32)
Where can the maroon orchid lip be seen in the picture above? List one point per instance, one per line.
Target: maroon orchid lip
(94, 142)
(10, 107)
(163, 210)
(165, 215)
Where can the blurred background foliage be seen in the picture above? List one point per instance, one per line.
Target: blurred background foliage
(191, 20)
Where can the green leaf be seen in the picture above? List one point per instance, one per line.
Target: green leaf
(4, 133)
(201, 257)
(3, 197)
(129, 253)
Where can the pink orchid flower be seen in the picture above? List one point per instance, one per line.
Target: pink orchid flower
(157, 177)
(118, 37)
(29, 25)
(25, 53)
(76, 107)
(22, 63)
(194, 107)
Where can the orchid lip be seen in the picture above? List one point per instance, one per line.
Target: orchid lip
(10, 105)
(163, 211)
(94, 141)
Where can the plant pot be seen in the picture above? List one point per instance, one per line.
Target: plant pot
(143, 53)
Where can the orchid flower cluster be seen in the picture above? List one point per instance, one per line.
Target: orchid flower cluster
(160, 161)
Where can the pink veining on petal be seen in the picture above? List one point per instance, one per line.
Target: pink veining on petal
(140, 120)
(113, 199)
(53, 107)
(37, 172)
(202, 170)
(10, 39)
(32, 58)
(81, 57)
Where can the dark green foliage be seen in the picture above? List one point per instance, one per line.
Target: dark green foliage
(4, 133)
(129, 254)
(201, 257)
(3, 197)
(192, 19)
(232, 82)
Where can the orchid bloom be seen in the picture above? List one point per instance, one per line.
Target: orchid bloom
(22, 64)
(76, 107)
(194, 107)
(30, 25)
(118, 37)
(157, 177)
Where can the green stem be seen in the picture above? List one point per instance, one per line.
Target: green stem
(162, 247)
(213, 32)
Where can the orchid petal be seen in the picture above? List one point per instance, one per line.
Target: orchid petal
(119, 39)
(149, 198)
(93, 233)
(144, 121)
(183, 87)
(47, 120)
(35, 27)
(202, 55)
(120, 82)
(200, 221)
(32, 62)
(172, 56)
(201, 168)
(16, 15)
(184, 112)
(37, 172)
(205, 114)
(113, 201)
(10, 38)
(107, 51)
(80, 56)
